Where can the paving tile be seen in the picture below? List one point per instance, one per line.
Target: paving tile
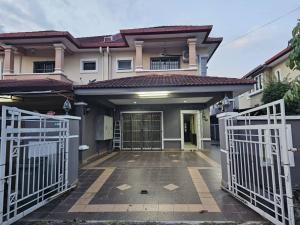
(124, 187)
(190, 197)
(171, 187)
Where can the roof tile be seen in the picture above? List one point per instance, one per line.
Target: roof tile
(170, 80)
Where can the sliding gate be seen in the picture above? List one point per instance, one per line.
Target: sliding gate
(33, 161)
(259, 157)
(141, 130)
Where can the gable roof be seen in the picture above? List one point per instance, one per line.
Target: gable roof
(170, 80)
(259, 68)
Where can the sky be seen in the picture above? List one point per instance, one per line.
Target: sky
(230, 19)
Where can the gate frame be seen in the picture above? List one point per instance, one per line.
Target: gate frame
(3, 155)
(284, 151)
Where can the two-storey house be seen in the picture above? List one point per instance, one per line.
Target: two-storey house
(274, 69)
(151, 83)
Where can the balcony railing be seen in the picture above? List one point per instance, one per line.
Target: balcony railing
(165, 63)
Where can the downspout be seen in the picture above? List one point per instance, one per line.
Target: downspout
(108, 53)
(102, 64)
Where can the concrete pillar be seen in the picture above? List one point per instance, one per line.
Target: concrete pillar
(80, 111)
(139, 55)
(192, 52)
(224, 152)
(59, 57)
(8, 64)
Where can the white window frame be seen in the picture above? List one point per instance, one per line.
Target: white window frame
(124, 58)
(256, 90)
(276, 75)
(82, 61)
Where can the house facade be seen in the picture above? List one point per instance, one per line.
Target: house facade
(149, 85)
(274, 69)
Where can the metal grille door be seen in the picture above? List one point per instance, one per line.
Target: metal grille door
(141, 131)
(259, 157)
(33, 161)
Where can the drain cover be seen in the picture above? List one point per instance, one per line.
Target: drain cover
(144, 192)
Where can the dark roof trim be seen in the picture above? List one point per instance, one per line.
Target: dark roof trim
(259, 68)
(278, 55)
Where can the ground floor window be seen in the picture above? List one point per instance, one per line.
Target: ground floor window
(142, 131)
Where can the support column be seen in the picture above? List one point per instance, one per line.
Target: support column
(192, 53)
(80, 111)
(59, 57)
(8, 64)
(139, 55)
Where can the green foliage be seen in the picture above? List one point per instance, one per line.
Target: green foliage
(294, 57)
(292, 98)
(275, 90)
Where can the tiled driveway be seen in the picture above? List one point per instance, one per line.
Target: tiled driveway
(179, 186)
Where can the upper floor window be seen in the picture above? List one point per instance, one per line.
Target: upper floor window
(124, 64)
(88, 65)
(43, 67)
(203, 65)
(278, 75)
(258, 86)
(165, 63)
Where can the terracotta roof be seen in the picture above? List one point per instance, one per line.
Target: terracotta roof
(118, 40)
(170, 80)
(13, 85)
(258, 69)
(278, 55)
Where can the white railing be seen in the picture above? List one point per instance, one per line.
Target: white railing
(259, 158)
(33, 161)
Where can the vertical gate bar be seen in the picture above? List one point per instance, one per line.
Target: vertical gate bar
(67, 152)
(286, 166)
(257, 168)
(248, 163)
(260, 149)
(10, 175)
(59, 156)
(266, 139)
(19, 116)
(44, 159)
(279, 162)
(3, 160)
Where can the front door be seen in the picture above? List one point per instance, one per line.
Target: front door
(141, 131)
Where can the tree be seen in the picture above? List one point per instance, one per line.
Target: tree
(294, 43)
(292, 98)
(275, 90)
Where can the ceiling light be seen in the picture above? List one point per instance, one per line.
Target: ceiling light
(153, 94)
(184, 101)
(134, 102)
(8, 98)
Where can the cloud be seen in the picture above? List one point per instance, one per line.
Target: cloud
(254, 38)
(21, 15)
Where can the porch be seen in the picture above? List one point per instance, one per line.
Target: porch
(178, 186)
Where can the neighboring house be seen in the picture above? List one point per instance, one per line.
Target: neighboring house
(274, 69)
(151, 82)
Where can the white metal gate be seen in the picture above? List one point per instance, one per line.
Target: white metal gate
(259, 159)
(33, 161)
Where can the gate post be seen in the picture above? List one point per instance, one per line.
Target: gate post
(223, 146)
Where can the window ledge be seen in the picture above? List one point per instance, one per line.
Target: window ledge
(255, 93)
(124, 71)
(88, 71)
(185, 69)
